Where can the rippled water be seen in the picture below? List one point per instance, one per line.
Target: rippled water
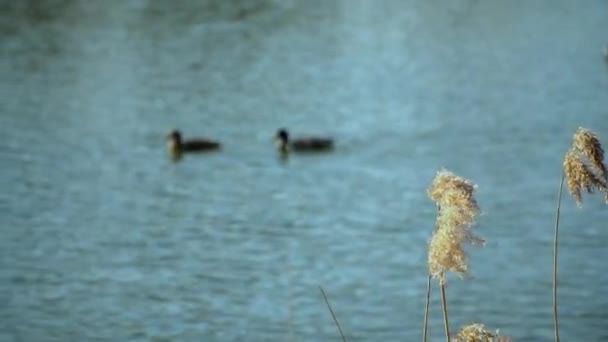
(104, 238)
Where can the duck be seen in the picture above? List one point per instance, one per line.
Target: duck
(606, 53)
(303, 144)
(176, 145)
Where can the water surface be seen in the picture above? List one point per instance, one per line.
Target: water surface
(104, 238)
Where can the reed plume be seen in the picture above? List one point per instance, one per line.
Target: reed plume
(583, 169)
(477, 333)
(457, 210)
(588, 145)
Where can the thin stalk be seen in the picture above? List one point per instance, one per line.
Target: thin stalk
(332, 314)
(444, 305)
(428, 295)
(426, 309)
(559, 203)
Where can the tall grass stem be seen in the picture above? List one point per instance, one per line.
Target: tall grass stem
(426, 309)
(559, 203)
(444, 305)
(332, 314)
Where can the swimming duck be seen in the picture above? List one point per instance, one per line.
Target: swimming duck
(177, 146)
(304, 144)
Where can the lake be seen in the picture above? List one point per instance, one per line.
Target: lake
(104, 238)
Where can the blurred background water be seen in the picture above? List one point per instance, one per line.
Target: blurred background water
(104, 238)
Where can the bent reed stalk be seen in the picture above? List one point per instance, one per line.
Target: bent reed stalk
(331, 311)
(583, 169)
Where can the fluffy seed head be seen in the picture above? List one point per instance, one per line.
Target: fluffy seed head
(457, 212)
(447, 181)
(446, 254)
(583, 166)
(588, 144)
(477, 333)
(579, 177)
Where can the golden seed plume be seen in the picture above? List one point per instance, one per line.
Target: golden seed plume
(457, 210)
(584, 167)
(446, 181)
(446, 254)
(477, 333)
(579, 177)
(588, 144)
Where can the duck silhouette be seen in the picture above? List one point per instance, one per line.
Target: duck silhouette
(303, 144)
(178, 146)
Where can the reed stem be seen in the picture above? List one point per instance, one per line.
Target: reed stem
(444, 305)
(332, 314)
(426, 309)
(428, 294)
(559, 202)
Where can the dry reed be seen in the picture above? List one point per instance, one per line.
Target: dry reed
(457, 210)
(477, 333)
(425, 323)
(333, 315)
(583, 169)
(428, 300)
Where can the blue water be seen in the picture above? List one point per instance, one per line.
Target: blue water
(103, 237)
